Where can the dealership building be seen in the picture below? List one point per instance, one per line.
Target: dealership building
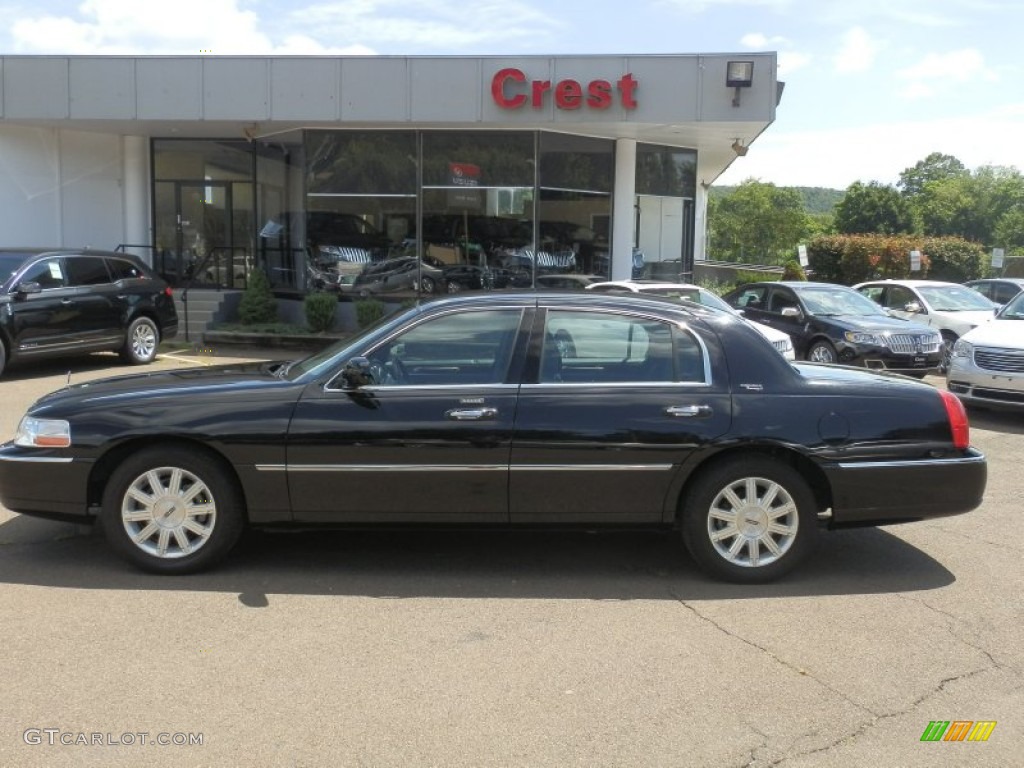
(317, 169)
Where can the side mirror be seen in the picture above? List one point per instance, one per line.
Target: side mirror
(24, 289)
(793, 312)
(357, 373)
(914, 306)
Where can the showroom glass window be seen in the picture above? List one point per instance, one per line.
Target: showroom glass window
(478, 208)
(666, 182)
(361, 212)
(574, 211)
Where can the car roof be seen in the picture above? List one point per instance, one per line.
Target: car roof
(1014, 280)
(583, 299)
(908, 283)
(642, 285)
(34, 251)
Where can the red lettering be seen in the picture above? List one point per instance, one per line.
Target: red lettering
(498, 88)
(627, 87)
(600, 94)
(540, 87)
(568, 94)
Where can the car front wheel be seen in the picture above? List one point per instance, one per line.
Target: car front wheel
(949, 340)
(749, 520)
(141, 342)
(822, 352)
(172, 510)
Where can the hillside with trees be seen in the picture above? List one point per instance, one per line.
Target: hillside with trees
(938, 197)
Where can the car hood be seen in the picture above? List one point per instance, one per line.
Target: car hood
(972, 317)
(230, 380)
(878, 323)
(1008, 334)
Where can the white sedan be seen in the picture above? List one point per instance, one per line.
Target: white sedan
(698, 295)
(987, 365)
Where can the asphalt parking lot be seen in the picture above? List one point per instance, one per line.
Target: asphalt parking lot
(522, 649)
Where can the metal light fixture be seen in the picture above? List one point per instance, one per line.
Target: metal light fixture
(739, 148)
(739, 74)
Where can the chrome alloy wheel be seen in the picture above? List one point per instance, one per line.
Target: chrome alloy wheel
(752, 522)
(143, 341)
(168, 512)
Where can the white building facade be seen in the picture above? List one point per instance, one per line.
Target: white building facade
(222, 165)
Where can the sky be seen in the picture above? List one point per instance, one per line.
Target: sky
(872, 86)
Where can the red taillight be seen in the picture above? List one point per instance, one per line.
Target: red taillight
(168, 291)
(957, 420)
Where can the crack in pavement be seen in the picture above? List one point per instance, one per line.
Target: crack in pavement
(865, 726)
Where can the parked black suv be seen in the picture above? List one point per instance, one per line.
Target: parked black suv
(62, 301)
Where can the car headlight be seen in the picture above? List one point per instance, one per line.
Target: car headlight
(963, 349)
(43, 433)
(861, 337)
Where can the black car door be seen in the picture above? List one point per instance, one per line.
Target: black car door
(101, 305)
(611, 406)
(44, 320)
(428, 440)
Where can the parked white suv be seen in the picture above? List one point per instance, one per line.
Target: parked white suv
(951, 308)
(781, 341)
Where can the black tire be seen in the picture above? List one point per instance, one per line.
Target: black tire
(454, 287)
(781, 497)
(822, 352)
(427, 285)
(3, 357)
(194, 518)
(141, 342)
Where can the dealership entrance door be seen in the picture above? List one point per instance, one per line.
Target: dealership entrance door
(203, 232)
(664, 234)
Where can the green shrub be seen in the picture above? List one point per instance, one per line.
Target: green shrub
(793, 271)
(955, 259)
(258, 304)
(320, 309)
(369, 311)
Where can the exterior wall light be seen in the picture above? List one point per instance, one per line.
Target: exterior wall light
(739, 148)
(739, 74)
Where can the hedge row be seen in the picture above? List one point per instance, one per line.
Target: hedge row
(850, 259)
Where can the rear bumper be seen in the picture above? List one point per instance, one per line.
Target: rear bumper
(903, 491)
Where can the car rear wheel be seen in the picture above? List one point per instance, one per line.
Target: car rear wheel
(172, 510)
(142, 340)
(427, 285)
(822, 352)
(749, 520)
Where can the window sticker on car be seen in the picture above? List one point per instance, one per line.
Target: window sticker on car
(55, 270)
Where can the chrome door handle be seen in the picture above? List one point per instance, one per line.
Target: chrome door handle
(471, 414)
(688, 411)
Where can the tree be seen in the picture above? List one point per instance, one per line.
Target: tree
(757, 222)
(970, 206)
(935, 167)
(873, 208)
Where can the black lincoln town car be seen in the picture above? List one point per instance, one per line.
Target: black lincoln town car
(540, 409)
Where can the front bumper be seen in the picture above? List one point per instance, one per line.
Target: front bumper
(977, 386)
(884, 359)
(903, 491)
(44, 483)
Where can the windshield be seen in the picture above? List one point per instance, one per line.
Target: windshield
(297, 368)
(836, 300)
(1014, 309)
(954, 298)
(9, 264)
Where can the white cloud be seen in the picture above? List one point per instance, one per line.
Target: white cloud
(699, 6)
(880, 152)
(760, 41)
(791, 61)
(936, 70)
(858, 51)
